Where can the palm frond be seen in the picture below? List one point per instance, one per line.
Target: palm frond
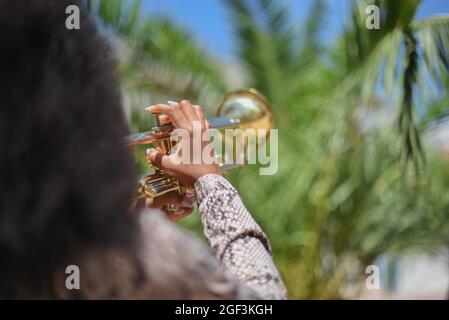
(406, 122)
(120, 16)
(437, 111)
(313, 27)
(169, 55)
(433, 36)
(273, 51)
(257, 50)
(403, 43)
(158, 58)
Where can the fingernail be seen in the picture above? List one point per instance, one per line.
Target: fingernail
(150, 151)
(172, 103)
(148, 108)
(190, 193)
(180, 211)
(187, 202)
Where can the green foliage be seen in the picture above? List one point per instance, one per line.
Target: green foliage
(343, 193)
(405, 43)
(158, 59)
(343, 196)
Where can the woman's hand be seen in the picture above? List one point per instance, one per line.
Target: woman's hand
(183, 203)
(183, 115)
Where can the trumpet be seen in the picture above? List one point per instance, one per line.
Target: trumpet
(241, 109)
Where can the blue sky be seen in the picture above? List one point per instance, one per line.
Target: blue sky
(208, 19)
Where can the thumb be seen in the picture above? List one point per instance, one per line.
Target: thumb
(159, 159)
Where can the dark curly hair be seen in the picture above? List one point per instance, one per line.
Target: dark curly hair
(65, 171)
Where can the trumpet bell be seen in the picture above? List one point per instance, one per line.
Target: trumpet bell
(247, 109)
(242, 110)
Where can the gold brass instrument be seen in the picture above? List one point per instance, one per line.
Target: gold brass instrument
(243, 109)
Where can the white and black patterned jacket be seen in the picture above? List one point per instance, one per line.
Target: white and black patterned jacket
(245, 268)
(172, 264)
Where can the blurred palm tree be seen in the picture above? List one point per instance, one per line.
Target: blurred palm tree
(339, 196)
(342, 195)
(396, 56)
(159, 60)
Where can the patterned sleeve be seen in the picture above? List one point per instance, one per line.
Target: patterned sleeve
(238, 241)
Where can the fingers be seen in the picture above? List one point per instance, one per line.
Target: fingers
(187, 108)
(173, 112)
(178, 215)
(172, 198)
(182, 114)
(184, 204)
(160, 160)
(200, 115)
